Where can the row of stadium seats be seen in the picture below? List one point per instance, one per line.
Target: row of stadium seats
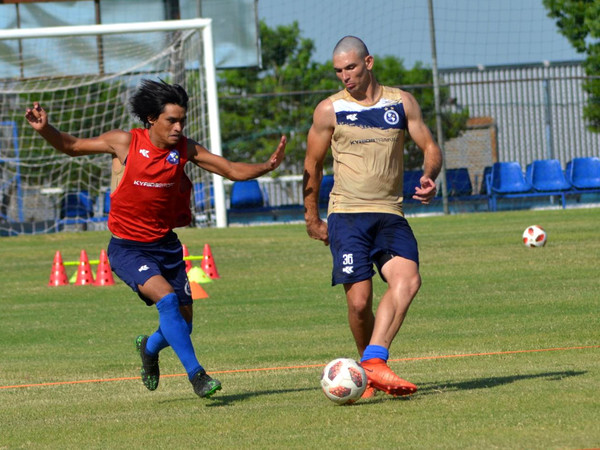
(508, 180)
(542, 178)
(501, 180)
(248, 196)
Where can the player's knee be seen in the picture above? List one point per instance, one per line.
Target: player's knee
(415, 283)
(359, 308)
(407, 285)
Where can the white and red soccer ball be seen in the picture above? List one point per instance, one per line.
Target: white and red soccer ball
(343, 381)
(535, 236)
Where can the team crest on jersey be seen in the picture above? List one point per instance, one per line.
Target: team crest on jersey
(391, 116)
(173, 157)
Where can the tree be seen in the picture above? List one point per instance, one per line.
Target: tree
(258, 104)
(419, 81)
(577, 20)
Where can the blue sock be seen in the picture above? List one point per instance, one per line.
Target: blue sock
(175, 331)
(156, 341)
(375, 351)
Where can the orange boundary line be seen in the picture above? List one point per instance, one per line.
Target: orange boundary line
(307, 366)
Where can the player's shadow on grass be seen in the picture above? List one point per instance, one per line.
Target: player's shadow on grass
(225, 399)
(491, 382)
(221, 398)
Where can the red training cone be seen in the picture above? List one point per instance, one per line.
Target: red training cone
(58, 276)
(208, 263)
(84, 271)
(104, 275)
(188, 264)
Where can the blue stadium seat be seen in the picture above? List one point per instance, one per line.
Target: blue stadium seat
(458, 182)
(77, 208)
(584, 173)
(200, 200)
(487, 170)
(246, 195)
(412, 179)
(77, 205)
(508, 178)
(547, 175)
(106, 206)
(325, 190)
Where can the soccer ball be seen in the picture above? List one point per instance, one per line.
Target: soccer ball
(343, 381)
(534, 236)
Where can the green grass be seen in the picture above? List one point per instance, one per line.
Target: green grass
(487, 302)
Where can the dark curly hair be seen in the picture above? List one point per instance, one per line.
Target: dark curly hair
(149, 101)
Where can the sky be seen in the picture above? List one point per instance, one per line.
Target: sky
(468, 32)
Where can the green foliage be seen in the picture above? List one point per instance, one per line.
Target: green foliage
(578, 21)
(259, 104)
(419, 81)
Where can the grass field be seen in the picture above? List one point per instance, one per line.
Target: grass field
(502, 340)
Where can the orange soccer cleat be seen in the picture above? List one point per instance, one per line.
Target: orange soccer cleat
(370, 392)
(382, 378)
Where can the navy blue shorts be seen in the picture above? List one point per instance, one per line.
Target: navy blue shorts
(135, 262)
(359, 240)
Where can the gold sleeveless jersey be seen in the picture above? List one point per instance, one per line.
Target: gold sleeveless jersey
(368, 153)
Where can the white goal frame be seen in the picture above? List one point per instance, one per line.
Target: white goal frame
(203, 24)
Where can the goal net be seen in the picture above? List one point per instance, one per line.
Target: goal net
(83, 77)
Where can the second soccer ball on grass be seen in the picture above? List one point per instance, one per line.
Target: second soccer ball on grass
(534, 236)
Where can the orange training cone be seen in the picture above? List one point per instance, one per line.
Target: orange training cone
(84, 271)
(208, 263)
(188, 264)
(104, 275)
(197, 291)
(58, 276)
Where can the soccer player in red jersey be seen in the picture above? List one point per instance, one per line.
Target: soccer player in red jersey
(152, 198)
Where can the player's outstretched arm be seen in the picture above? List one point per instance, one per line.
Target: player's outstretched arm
(235, 171)
(115, 142)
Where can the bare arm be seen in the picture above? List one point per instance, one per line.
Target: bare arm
(318, 142)
(432, 154)
(235, 171)
(115, 142)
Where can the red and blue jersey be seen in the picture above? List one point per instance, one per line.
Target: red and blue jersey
(153, 197)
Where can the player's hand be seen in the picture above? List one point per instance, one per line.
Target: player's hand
(426, 192)
(36, 116)
(318, 230)
(278, 155)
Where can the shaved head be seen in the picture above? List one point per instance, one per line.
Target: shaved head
(351, 43)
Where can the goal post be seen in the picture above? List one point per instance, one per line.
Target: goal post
(86, 93)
